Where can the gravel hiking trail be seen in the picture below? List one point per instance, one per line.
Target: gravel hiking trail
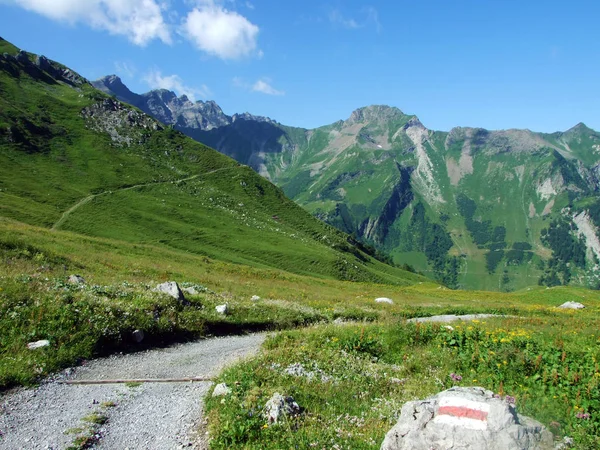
(146, 416)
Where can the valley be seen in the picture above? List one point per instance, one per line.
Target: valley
(482, 198)
(320, 246)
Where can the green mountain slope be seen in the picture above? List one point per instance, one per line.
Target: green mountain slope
(471, 207)
(75, 159)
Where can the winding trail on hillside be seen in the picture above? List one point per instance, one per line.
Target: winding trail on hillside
(89, 198)
(148, 416)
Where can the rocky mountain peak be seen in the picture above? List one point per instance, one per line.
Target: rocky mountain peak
(113, 85)
(373, 113)
(248, 116)
(163, 94)
(579, 128)
(414, 122)
(112, 81)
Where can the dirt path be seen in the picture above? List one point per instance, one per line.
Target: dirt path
(87, 199)
(150, 416)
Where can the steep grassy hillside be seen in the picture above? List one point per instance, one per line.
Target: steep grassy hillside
(73, 158)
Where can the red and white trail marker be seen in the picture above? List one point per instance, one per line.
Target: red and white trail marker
(462, 413)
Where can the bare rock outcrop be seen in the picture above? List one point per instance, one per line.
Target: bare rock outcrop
(464, 418)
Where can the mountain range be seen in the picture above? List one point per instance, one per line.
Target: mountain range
(75, 159)
(471, 207)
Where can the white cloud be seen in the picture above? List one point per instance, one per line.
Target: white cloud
(141, 21)
(371, 17)
(262, 85)
(126, 69)
(265, 87)
(336, 17)
(220, 32)
(156, 80)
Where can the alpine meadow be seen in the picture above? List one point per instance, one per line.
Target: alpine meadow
(341, 246)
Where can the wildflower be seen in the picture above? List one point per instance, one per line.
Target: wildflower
(510, 399)
(455, 377)
(582, 415)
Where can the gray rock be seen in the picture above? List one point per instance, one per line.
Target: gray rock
(278, 407)
(171, 288)
(138, 336)
(389, 301)
(42, 62)
(190, 290)
(23, 58)
(451, 318)
(465, 418)
(38, 344)
(566, 443)
(76, 279)
(221, 390)
(255, 298)
(572, 305)
(222, 309)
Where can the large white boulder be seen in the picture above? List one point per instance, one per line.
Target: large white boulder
(465, 418)
(572, 305)
(171, 288)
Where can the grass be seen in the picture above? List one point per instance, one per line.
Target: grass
(161, 188)
(354, 378)
(171, 209)
(87, 433)
(81, 322)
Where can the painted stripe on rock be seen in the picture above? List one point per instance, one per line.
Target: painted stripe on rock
(462, 422)
(463, 413)
(465, 403)
(459, 411)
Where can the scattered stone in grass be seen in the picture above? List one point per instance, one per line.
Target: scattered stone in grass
(566, 443)
(221, 390)
(279, 406)
(389, 301)
(572, 305)
(298, 370)
(465, 417)
(138, 336)
(452, 318)
(76, 279)
(222, 309)
(190, 290)
(255, 298)
(172, 288)
(38, 344)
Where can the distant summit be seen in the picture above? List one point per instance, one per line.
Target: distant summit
(185, 115)
(374, 113)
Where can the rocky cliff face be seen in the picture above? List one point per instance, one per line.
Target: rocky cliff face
(181, 112)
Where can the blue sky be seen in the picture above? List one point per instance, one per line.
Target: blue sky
(488, 63)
